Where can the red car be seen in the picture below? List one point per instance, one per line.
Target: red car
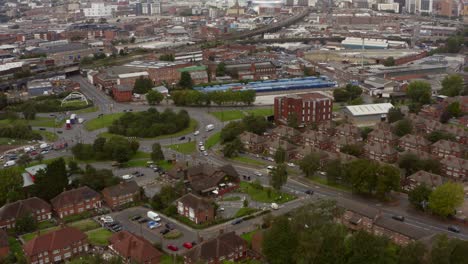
(172, 247)
(187, 245)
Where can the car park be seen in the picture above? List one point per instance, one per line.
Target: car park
(153, 216)
(398, 218)
(172, 247)
(127, 177)
(106, 219)
(202, 148)
(187, 245)
(138, 174)
(454, 229)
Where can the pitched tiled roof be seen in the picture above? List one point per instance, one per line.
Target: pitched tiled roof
(315, 136)
(205, 176)
(121, 189)
(382, 134)
(223, 245)
(448, 145)
(58, 239)
(252, 137)
(135, 248)
(23, 207)
(196, 202)
(430, 179)
(344, 140)
(378, 147)
(277, 143)
(415, 140)
(285, 131)
(73, 196)
(347, 129)
(454, 162)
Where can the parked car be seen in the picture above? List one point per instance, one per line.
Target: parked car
(142, 220)
(106, 219)
(170, 226)
(164, 231)
(202, 148)
(135, 218)
(290, 164)
(42, 128)
(153, 224)
(399, 218)
(172, 247)
(237, 221)
(454, 229)
(138, 174)
(187, 245)
(200, 143)
(205, 153)
(59, 131)
(153, 216)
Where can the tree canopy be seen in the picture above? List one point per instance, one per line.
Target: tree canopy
(446, 198)
(156, 152)
(310, 164)
(142, 85)
(394, 114)
(116, 148)
(154, 97)
(452, 85)
(348, 93)
(229, 97)
(11, 185)
(186, 81)
(51, 181)
(279, 176)
(419, 92)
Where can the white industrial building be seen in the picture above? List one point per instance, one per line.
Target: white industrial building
(366, 115)
(99, 10)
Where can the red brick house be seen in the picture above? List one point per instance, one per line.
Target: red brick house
(76, 201)
(455, 168)
(122, 93)
(4, 245)
(423, 177)
(432, 125)
(304, 150)
(39, 209)
(225, 247)
(412, 142)
(207, 180)
(357, 216)
(326, 127)
(121, 194)
(382, 136)
(339, 141)
(252, 142)
(196, 208)
(461, 134)
(310, 108)
(419, 123)
(316, 139)
(273, 145)
(444, 148)
(348, 130)
(285, 132)
(56, 246)
(134, 249)
(380, 152)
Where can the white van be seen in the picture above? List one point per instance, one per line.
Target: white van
(9, 163)
(153, 216)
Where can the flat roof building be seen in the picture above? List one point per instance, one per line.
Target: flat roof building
(367, 115)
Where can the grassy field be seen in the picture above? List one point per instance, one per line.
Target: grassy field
(168, 259)
(9, 141)
(74, 103)
(248, 160)
(38, 122)
(91, 109)
(49, 136)
(102, 122)
(229, 115)
(141, 155)
(99, 237)
(213, 140)
(83, 225)
(266, 194)
(184, 148)
(245, 211)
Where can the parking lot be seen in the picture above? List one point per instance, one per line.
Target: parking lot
(154, 235)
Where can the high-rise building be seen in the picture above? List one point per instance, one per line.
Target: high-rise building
(426, 6)
(308, 108)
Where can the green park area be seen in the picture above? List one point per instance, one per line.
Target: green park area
(99, 237)
(230, 115)
(102, 122)
(262, 194)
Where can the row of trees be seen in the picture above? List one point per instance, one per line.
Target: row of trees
(19, 130)
(150, 123)
(347, 94)
(229, 97)
(44, 104)
(116, 148)
(309, 235)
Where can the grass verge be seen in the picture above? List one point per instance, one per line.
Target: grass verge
(102, 122)
(48, 136)
(213, 140)
(248, 236)
(229, 115)
(248, 160)
(87, 110)
(265, 194)
(99, 237)
(174, 234)
(245, 211)
(184, 148)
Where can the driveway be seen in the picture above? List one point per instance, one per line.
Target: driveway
(154, 236)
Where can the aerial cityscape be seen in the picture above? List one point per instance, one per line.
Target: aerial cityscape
(234, 131)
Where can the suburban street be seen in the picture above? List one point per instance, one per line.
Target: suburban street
(296, 185)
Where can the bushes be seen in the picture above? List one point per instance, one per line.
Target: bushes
(117, 148)
(19, 130)
(45, 104)
(150, 123)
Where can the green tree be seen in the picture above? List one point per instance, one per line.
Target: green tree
(362, 175)
(437, 135)
(356, 101)
(51, 181)
(334, 170)
(11, 185)
(454, 44)
(454, 109)
(441, 250)
(390, 61)
(156, 152)
(419, 196)
(388, 180)
(256, 124)
(394, 114)
(293, 120)
(310, 164)
(25, 224)
(280, 155)
(419, 92)
(452, 85)
(353, 149)
(154, 97)
(460, 252)
(232, 148)
(221, 69)
(280, 242)
(142, 85)
(29, 111)
(365, 248)
(413, 253)
(409, 162)
(186, 80)
(98, 144)
(403, 127)
(340, 95)
(231, 131)
(24, 159)
(73, 166)
(3, 101)
(279, 176)
(98, 179)
(446, 198)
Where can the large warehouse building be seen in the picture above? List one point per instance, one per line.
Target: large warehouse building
(366, 115)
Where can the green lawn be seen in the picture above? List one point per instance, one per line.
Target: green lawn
(337, 106)
(102, 122)
(38, 122)
(87, 110)
(74, 103)
(168, 259)
(248, 160)
(166, 165)
(84, 225)
(248, 236)
(141, 155)
(48, 136)
(229, 115)
(231, 199)
(99, 237)
(325, 182)
(9, 141)
(245, 211)
(136, 163)
(184, 148)
(265, 196)
(15, 247)
(213, 140)
(45, 225)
